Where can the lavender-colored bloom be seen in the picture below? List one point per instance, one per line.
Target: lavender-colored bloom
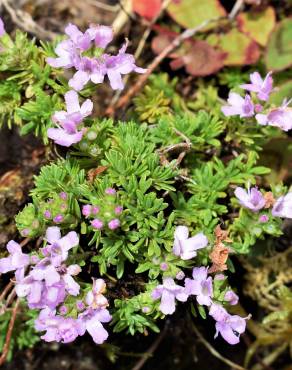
(88, 69)
(118, 65)
(97, 224)
(2, 29)
(95, 210)
(95, 298)
(263, 218)
(279, 117)
(283, 206)
(69, 120)
(63, 195)
(263, 88)
(118, 210)
(252, 198)
(59, 218)
(80, 305)
(229, 326)
(67, 55)
(114, 224)
(200, 286)
(59, 246)
(186, 247)
(238, 106)
(110, 191)
(169, 292)
(102, 35)
(86, 210)
(47, 214)
(180, 275)
(63, 310)
(16, 261)
(92, 322)
(163, 266)
(79, 39)
(145, 309)
(231, 297)
(58, 329)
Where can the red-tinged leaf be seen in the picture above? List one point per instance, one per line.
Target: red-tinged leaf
(197, 56)
(240, 49)
(258, 25)
(148, 9)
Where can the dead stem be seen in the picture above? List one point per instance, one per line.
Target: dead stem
(6, 290)
(9, 333)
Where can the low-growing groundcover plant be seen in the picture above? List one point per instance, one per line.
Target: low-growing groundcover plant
(163, 200)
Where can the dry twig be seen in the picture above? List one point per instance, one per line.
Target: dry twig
(9, 333)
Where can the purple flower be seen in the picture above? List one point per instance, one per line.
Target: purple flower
(80, 305)
(169, 292)
(263, 218)
(86, 210)
(102, 35)
(58, 328)
(118, 65)
(97, 224)
(69, 120)
(118, 210)
(229, 326)
(163, 266)
(252, 198)
(283, 206)
(67, 55)
(200, 286)
(263, 88)
(47, 214)
(238, 106)
(88, 69)
(185, 247)
(279, 117)
(38, 294)
(59, 218)
(95, 298)
(2, 29)
(63, 195)
(92, 320)
(110, 191)
(15, 261)
(231, 297)
(114, 224)
(79, 39)
(59, 246)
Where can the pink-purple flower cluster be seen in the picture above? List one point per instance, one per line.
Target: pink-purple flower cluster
(68, 131)
(55, 209)
(254, 200)
(46, 282)
(106, 213)
(85, 53)
(255, 104)
(199, 286)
